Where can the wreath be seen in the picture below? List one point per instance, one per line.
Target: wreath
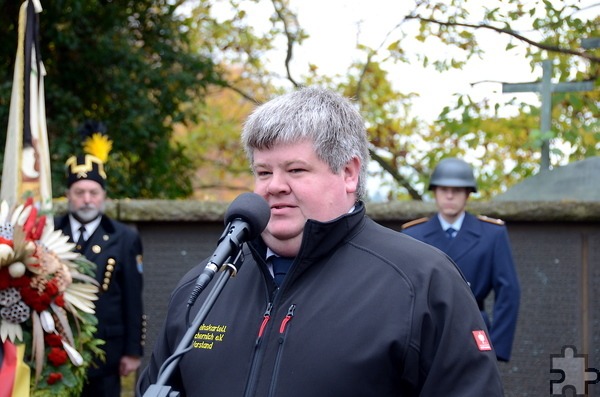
(47, 311)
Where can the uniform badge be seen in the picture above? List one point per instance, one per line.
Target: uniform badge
(140, 266)
(482, 340)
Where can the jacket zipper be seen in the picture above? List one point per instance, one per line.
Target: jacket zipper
(282, 335)
(257, 352)
(263, 325)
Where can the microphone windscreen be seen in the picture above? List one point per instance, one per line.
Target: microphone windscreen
(252, 209)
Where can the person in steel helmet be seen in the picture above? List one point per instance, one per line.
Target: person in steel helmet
(453, 172)
(478, 244)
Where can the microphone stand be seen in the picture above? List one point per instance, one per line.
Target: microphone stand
(160, 388)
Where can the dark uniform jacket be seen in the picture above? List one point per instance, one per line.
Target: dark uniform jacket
(482, 251)
(116, 249)
(364, 311)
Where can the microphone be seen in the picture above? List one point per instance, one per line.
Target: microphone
(246, 217)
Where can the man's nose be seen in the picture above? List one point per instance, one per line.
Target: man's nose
(278, 184)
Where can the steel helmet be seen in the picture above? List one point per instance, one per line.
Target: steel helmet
(453, 172)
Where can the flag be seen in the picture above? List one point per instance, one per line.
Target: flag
(26, 169)
(14, 373)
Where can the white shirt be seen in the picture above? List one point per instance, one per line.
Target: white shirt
(456, 225)
(90, 227)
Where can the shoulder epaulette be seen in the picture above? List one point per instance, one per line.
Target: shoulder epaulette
(490, 220)
(414, 222)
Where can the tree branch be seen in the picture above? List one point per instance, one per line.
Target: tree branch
(562, 50)
(291, 40)
(396, 175)
(243, 94)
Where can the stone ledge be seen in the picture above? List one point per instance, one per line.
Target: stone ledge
(539, 211)
(129, 210)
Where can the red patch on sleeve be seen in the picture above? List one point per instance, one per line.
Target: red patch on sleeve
(482, 340)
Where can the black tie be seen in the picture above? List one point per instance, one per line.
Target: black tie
(281, 265)
(81, 240)
(450, 232)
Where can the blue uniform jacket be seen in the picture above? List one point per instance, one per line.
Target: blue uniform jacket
(481, 249)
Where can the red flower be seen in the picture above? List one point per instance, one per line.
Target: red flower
(5, 278)
(30, 222)
(57, 356)
(20, 282)
(36, 232)
(31, 297)
(51, 288)
(39, 302)
(53, 340)
(54, 377)
(60, 300)
(45, 301)
(7, 242)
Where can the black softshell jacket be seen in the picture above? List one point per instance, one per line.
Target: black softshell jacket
(364, 311)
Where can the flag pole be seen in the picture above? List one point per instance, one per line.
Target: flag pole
(26, 169)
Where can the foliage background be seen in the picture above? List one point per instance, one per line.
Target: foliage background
(126, 63)
(174, 90)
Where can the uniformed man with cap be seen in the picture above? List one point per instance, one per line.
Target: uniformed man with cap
(478, 244)
(116, 249)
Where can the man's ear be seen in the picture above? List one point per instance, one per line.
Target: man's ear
(351, 173)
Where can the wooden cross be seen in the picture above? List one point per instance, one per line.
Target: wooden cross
(546, 88)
